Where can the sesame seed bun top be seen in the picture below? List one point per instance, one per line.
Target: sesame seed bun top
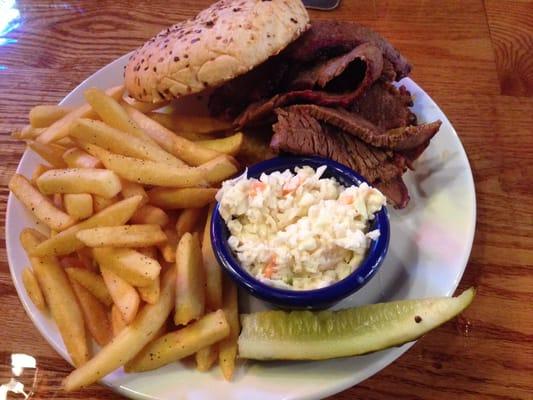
(222, 42)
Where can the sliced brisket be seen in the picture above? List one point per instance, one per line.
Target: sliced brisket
(357, 69)
(331, 91)
(388, 73)
(259, 112)
(386, 106)
(299, 133)
(403, 138)
(331, 38)
(326, 49)
(396, 191)
(337, 82)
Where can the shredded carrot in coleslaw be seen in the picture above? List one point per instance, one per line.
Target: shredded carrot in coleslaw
(270, 267)
(255, 188)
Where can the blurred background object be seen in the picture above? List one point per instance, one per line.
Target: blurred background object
(324, 5)
(23, 379)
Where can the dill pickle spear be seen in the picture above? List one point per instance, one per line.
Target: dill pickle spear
(307, 335)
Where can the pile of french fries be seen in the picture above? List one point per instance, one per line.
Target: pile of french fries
(127, 194)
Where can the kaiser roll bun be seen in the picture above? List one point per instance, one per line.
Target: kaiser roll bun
(222, 42)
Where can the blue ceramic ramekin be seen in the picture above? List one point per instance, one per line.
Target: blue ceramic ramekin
(304, 299)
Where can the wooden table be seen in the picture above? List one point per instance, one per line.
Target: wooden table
(475, 58)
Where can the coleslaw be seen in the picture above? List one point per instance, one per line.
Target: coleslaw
(298, 230)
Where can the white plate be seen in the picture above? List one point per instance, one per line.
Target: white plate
(430, 246)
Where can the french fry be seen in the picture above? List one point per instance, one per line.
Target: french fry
(130, 189)
(190, 298)
(229, 145)
(91, 281)
(94, 314)
(182, 148)
(162, 331)
(27, 132)
(77, 158)
(66, 241)
(122, 236)
(99, 202)
(101, 182)
(52, 153)
(39, 205)
(57, 200)
(219, 169)
(181, 198)
(179, 122)
(168, 248)
(213, 270)
(78, 205)
(199, 229)
(118, 239)
(43, 116)
(113, 114)
(33, 289)
(124, 296)
(37, 172)
(213, 293)
(142, 106)
(60, 128)
(119, 142)
(66, 142)
(150, 293)
(227, 348)
(132, 266)
(206, 357)
(62, 302)
(194, 137)
(149, 214)
(130, 341)
(117, 323)
(181, 343)
(31, 238)
(188, 220)
(148, 172)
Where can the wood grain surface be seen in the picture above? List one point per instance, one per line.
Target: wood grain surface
(473, 57)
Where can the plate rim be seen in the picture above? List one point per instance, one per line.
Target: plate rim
(318, 393)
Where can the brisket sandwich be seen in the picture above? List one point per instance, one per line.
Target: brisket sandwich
(324, 88)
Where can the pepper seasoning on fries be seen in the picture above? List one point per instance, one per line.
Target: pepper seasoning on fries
(129, 196)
